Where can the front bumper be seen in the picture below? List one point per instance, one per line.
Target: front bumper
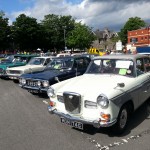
(13, 77)
(94, 123)
(3, 75)
(34, 89)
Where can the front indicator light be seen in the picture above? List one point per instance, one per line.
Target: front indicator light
(105, 117)
(52, 104)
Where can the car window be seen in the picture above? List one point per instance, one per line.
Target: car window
(60, 64)
(36, 61)
(79, 63)
(112, 66)
(147, 64)
(139, 67)
(47, 61)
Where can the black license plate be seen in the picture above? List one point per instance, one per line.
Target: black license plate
(75, 124)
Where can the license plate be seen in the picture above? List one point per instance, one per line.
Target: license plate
(75, 124)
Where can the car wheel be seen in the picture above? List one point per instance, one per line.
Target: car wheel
(15, 81)
(122, 121)
(148, 109)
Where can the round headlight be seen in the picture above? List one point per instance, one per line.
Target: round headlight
(23, 81)
(39, 83)
(102, 101)
(50, 92)
(45, 83)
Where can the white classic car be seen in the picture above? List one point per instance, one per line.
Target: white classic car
(34, 65)
(112, 88)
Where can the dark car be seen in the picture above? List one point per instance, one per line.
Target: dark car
(59, 69)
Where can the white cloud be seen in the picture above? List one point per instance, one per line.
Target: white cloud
(97, 14)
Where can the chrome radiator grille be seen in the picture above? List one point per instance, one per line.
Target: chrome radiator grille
(32, 83)
(72, 102)
(13, 72)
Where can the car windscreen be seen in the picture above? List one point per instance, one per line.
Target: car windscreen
(111, 66)
(20, 59)
(60, 64)
(36, 61)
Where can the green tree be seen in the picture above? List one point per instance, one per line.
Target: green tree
(132, 24)
(56, 29)
(25, 33)
(4, 32)
(80, 37)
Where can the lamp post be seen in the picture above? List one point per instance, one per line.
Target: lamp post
(65, 36)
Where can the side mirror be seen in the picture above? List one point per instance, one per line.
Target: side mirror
(57, 79)
(120, 85)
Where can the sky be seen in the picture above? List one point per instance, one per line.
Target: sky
(97, 14)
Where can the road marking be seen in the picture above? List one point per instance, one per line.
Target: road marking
(117, 143)
(45, 102)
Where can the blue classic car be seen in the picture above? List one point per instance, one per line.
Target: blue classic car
(58, 69)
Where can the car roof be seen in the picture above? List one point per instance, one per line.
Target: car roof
(121, 56)
(23, 55)
(45, 57)
(66, 57)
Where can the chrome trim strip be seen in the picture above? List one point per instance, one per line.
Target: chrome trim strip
(95, 123)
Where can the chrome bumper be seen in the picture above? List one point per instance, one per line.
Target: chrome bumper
(38, 89)
(94, 123)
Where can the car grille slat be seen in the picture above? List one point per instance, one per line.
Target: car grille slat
(14, 72)
(32, 83)
(72, 102)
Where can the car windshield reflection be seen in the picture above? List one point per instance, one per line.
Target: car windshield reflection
(60, 64)
(36, 61)
(111, 66)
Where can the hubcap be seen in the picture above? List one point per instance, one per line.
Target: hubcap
(123, 118)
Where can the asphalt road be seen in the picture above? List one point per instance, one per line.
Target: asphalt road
(25, 124)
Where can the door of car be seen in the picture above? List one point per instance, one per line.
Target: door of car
(143, 78)
(79, 67)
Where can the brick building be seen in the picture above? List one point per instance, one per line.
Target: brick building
(140, 37)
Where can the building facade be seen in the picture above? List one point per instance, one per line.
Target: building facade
(140, 37)
(103, 40)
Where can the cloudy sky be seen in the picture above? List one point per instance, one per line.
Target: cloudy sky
(94, 13)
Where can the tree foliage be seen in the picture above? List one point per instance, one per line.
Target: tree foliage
(56, 28)
(25, 32)
(132, 24)
(80, 37)
(4, 32)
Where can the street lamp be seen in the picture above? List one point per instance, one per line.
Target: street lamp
(65, 36)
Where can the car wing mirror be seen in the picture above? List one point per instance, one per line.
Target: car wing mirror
(120, 85)
(57, 79)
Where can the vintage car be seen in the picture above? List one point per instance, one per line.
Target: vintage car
(59, 69)
(18, 60)
(34, 65)
(112, 88)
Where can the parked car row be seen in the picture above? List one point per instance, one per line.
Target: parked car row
(103, 91)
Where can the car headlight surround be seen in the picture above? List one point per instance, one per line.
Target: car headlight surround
(23, 81)
(45, 83)
(103, 101)
(51, 92)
